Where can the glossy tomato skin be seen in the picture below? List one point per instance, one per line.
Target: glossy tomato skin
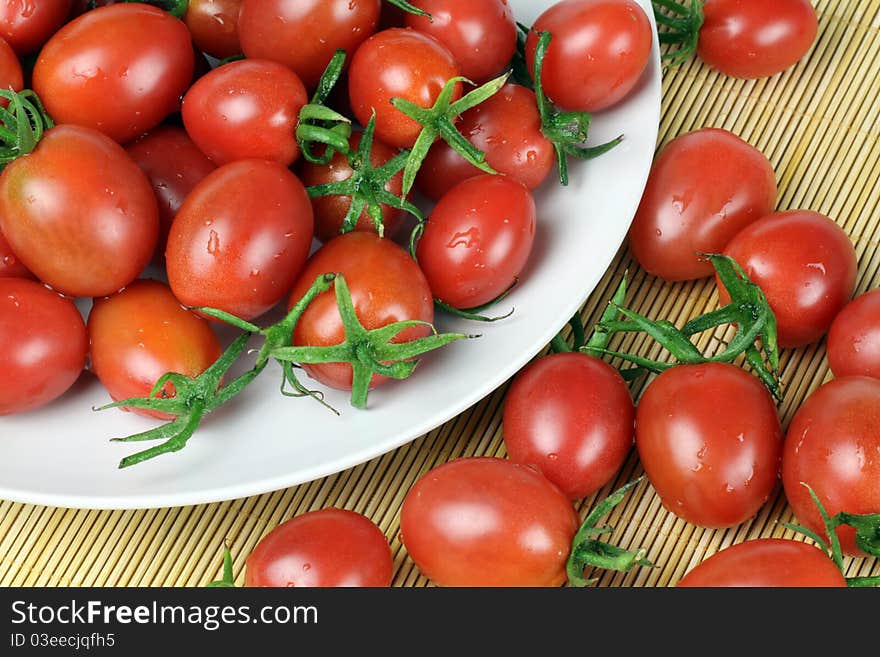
(399, 63)
(174, 166)
(805, 264)
(597, 54)
(571, 415)
(386, 286)
(10, 70)
(480, 35)
(854, 339)
(10, 265)
(27, 24)
(507, 128)
(240, 238)
(703, 189)
(45, 345)
(124, 85)
(245, 109)
(488, 522)
(766, 562)
(477, 240)
(756, 39)
(330, 211)
(833, 445)
(326, 548)
(143, 332)
(304, 34)
(710, 441)
(79, 213)
(213, 25)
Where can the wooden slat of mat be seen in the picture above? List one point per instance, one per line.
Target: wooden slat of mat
(819, 125)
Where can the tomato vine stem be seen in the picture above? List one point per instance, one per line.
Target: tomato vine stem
(318, 124)
(22, 124)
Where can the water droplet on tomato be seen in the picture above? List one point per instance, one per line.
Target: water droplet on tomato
(307, 567)
(552, 457)
(213, 243)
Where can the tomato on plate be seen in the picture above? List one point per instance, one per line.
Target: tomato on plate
(754, 38)
(45, 345)
(330, 547)
(143, 332)
(597, 54)
(766, 562)
(386, 286)
(174, 166)
(119, 69)
(703, 189)
(245, 109)
(710, 441)
(477, 240)
(213, 25)
(79, 213)
(833, 446)
(507, 128)
(330, 211)
(480, 35)
(398, 63)
(854, 339)
(805, 264)
(27, 24)
(240, 238)
(571, 415)
(488, 522)
(303, 35)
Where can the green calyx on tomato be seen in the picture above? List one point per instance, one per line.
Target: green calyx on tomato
(439, 121)
(588, 551)
(228, 579)
(867, 528)
(748, 309)
(476, 314)
(318, 124)
(176, 8)
(566, 130)
(682, 22)
(366, 186)
(409, 8)
(22, 124)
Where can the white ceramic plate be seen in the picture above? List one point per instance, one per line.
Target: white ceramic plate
(60, 455)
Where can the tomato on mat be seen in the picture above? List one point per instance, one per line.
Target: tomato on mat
(805, 264)
(854, 339)
(143, 332)
(703, 189)
(45, 345)
(710, 441)
(330, 547)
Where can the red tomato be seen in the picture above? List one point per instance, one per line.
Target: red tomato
(174, 165)
(119, 69)
(10, 265)
(303, 35)
(10, 70)
(44, 342)
(79, 213)
(805, 264)
(833, 445)
(507, 128)
(598, 51)
(398, 63)
(143, 332)
(571, 415)
(386, 286)
(488, 522)
(480, 35)
(213, 25)
(330, 211)
(766, 562)
(854, 338)
(756, 39)
(27, 24)
(709, 439)
(240, 238)
(246, 109)
(704, 188)
(330, 547)
(477, 240)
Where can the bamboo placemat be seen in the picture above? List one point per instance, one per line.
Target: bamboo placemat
(818, 123)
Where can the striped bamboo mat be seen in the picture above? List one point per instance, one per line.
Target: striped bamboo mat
(818, 123)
